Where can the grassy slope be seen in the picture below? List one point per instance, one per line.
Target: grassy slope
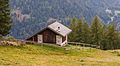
(36, 55)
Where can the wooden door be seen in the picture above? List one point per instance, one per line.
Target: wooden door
(58, 39)
(40, 39)
(46, 40)
(49, 37)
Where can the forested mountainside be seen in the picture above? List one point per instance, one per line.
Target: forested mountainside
(30, 16)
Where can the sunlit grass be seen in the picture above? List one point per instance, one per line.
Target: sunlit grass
(51, 55)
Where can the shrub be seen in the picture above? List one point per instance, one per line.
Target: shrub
(10, 38)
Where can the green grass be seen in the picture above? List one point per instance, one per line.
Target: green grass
(51, 55)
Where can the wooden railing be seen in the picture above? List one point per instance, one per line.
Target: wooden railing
(84, 45)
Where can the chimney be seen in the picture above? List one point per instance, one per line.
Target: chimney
(58, 29)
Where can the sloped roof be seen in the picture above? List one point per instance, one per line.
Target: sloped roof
(59, 28)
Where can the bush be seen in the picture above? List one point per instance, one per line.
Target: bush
(1, 37)
(10, 38)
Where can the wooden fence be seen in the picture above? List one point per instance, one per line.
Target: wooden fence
(84, 45)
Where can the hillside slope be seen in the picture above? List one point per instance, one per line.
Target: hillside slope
(48, 55)
(28, 15)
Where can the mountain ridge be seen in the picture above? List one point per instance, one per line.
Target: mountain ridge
(28, 15)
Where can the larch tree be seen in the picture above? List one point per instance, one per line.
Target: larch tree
(73, 35)
(79, 30)
(76, 26)
(112, 37)
(98, 33)
(85, 32)
(96, 30)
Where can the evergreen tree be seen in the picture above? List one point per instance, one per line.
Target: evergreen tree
(5, 22)
(73, 35)
(96, 30)
(85, 31)
(112, 37)
(76, 26)
(103, 42)
(79, 30)
(106, 36)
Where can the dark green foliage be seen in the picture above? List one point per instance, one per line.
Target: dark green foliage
(73, 34)
(75, 29)
(96, 30)
(106, 36)
(80, 30)
(85, 33)
(5, 22)
(42, 10)
(112, 36)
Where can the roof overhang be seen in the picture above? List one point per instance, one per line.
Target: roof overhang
(64, 30)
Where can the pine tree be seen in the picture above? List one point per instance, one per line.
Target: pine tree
(112, 36)
(96, 30)
(85, 32)
(79, 30)
(103, 43)
(76, 26)
(73, 35)
(106, 36)
(5, 22)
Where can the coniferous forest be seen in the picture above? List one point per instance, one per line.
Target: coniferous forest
(57, 45)
(36, 13)
(5, 20)
(97, 33)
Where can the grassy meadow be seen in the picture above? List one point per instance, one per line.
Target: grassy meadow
(51, 55)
